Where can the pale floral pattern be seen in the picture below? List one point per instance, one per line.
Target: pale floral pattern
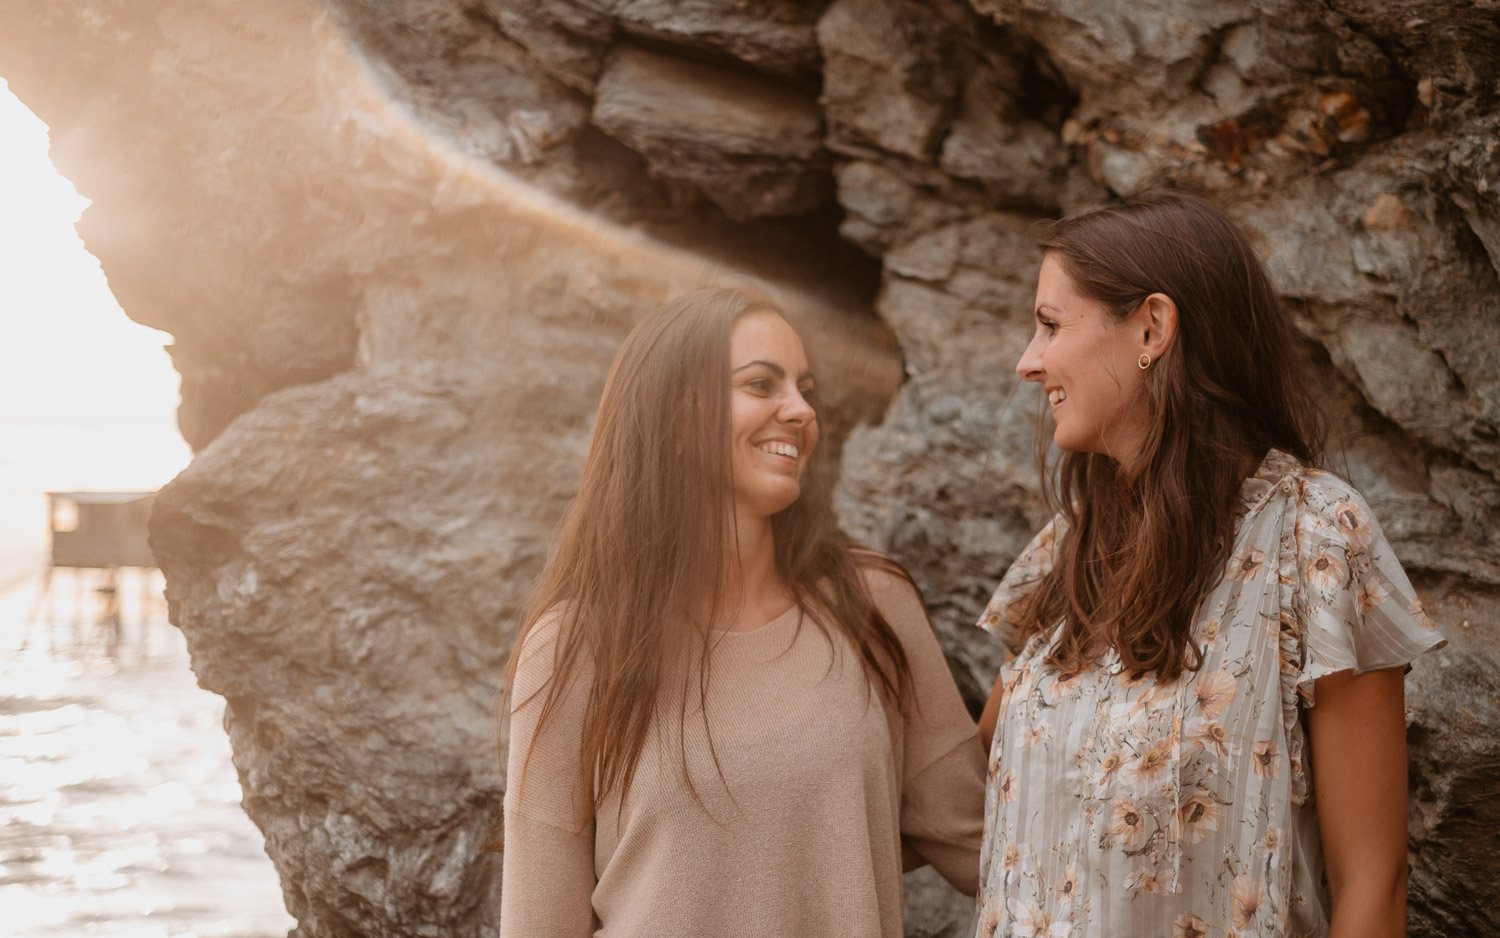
(1215, 691)
(1269, 843)
(1199, 816)
(1008, 786)
(1067, 885)
(1188, 925)
(1264, 760)
(1211, 736)
(1118, 805)
(1147, 881)
(1127, 823)
(1247, 895)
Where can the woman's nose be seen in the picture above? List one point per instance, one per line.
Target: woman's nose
(1030, 365)
(796, 409)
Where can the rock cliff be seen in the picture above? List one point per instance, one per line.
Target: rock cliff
(390, 352)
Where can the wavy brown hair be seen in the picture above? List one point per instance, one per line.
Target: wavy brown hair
(649, 540)
(1146, 540)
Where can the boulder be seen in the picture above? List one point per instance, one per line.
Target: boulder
(889, 80)
(750, 146)
(777, 37)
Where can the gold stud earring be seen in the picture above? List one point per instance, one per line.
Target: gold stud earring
(1144, 361)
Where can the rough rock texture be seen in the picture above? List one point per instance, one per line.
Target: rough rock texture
(341, 554)
(752, 147)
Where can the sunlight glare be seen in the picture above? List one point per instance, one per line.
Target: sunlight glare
(87, 397)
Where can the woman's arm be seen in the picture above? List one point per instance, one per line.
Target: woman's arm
(547, 880)
(1357, 733)
(547, 877)
(942, 784)
(991, 715)
(910, 858)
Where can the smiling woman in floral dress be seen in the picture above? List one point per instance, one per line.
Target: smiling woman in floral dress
(1202, 731)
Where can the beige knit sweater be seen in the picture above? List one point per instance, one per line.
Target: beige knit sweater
(801, 838)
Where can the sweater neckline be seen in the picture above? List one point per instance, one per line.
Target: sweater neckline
(765, 627)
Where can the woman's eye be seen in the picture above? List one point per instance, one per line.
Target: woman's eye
(1049, 326)
(811, 396)
(762, 385)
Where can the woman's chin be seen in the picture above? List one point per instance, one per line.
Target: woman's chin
(771, 500)
(1070, 443)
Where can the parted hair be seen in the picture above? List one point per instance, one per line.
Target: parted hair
(1148, 538)
(649, 539)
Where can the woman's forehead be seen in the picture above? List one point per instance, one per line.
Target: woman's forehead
(766, 335)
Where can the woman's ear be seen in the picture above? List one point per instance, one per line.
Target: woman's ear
(1157, 320)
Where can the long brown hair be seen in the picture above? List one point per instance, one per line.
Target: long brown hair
(1145, 541)
(647, 542)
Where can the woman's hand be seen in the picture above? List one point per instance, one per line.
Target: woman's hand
(910, 858)
(990, 716)
(1357, 733)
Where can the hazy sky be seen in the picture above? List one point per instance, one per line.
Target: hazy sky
(87, 397)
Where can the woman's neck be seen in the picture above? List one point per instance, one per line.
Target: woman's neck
(753, 592)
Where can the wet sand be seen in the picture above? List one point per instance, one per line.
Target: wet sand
(119, 805)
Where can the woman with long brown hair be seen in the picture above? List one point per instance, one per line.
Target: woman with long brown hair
(1202, 730)
(725, 720)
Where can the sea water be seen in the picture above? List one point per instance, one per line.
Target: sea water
(119, 804)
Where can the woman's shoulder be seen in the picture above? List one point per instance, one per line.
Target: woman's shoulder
(1316, 484)
(1033, 563)
(1322, 496)
(540, 639)
(895, 594)
(883, 574)
(538, 653)
(1330, 508)
(1329, 493)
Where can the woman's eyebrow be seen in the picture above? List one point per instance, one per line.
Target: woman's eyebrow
(776, 369)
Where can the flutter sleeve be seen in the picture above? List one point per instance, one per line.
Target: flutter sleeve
(942, 763)
(1025, 572)
(1358, 609)
(547, 880)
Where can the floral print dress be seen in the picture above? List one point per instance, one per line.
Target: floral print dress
(1119, 806)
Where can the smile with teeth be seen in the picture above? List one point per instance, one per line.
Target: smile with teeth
(1057, 396)
(778, 449)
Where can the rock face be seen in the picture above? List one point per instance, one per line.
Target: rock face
(347, 555)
